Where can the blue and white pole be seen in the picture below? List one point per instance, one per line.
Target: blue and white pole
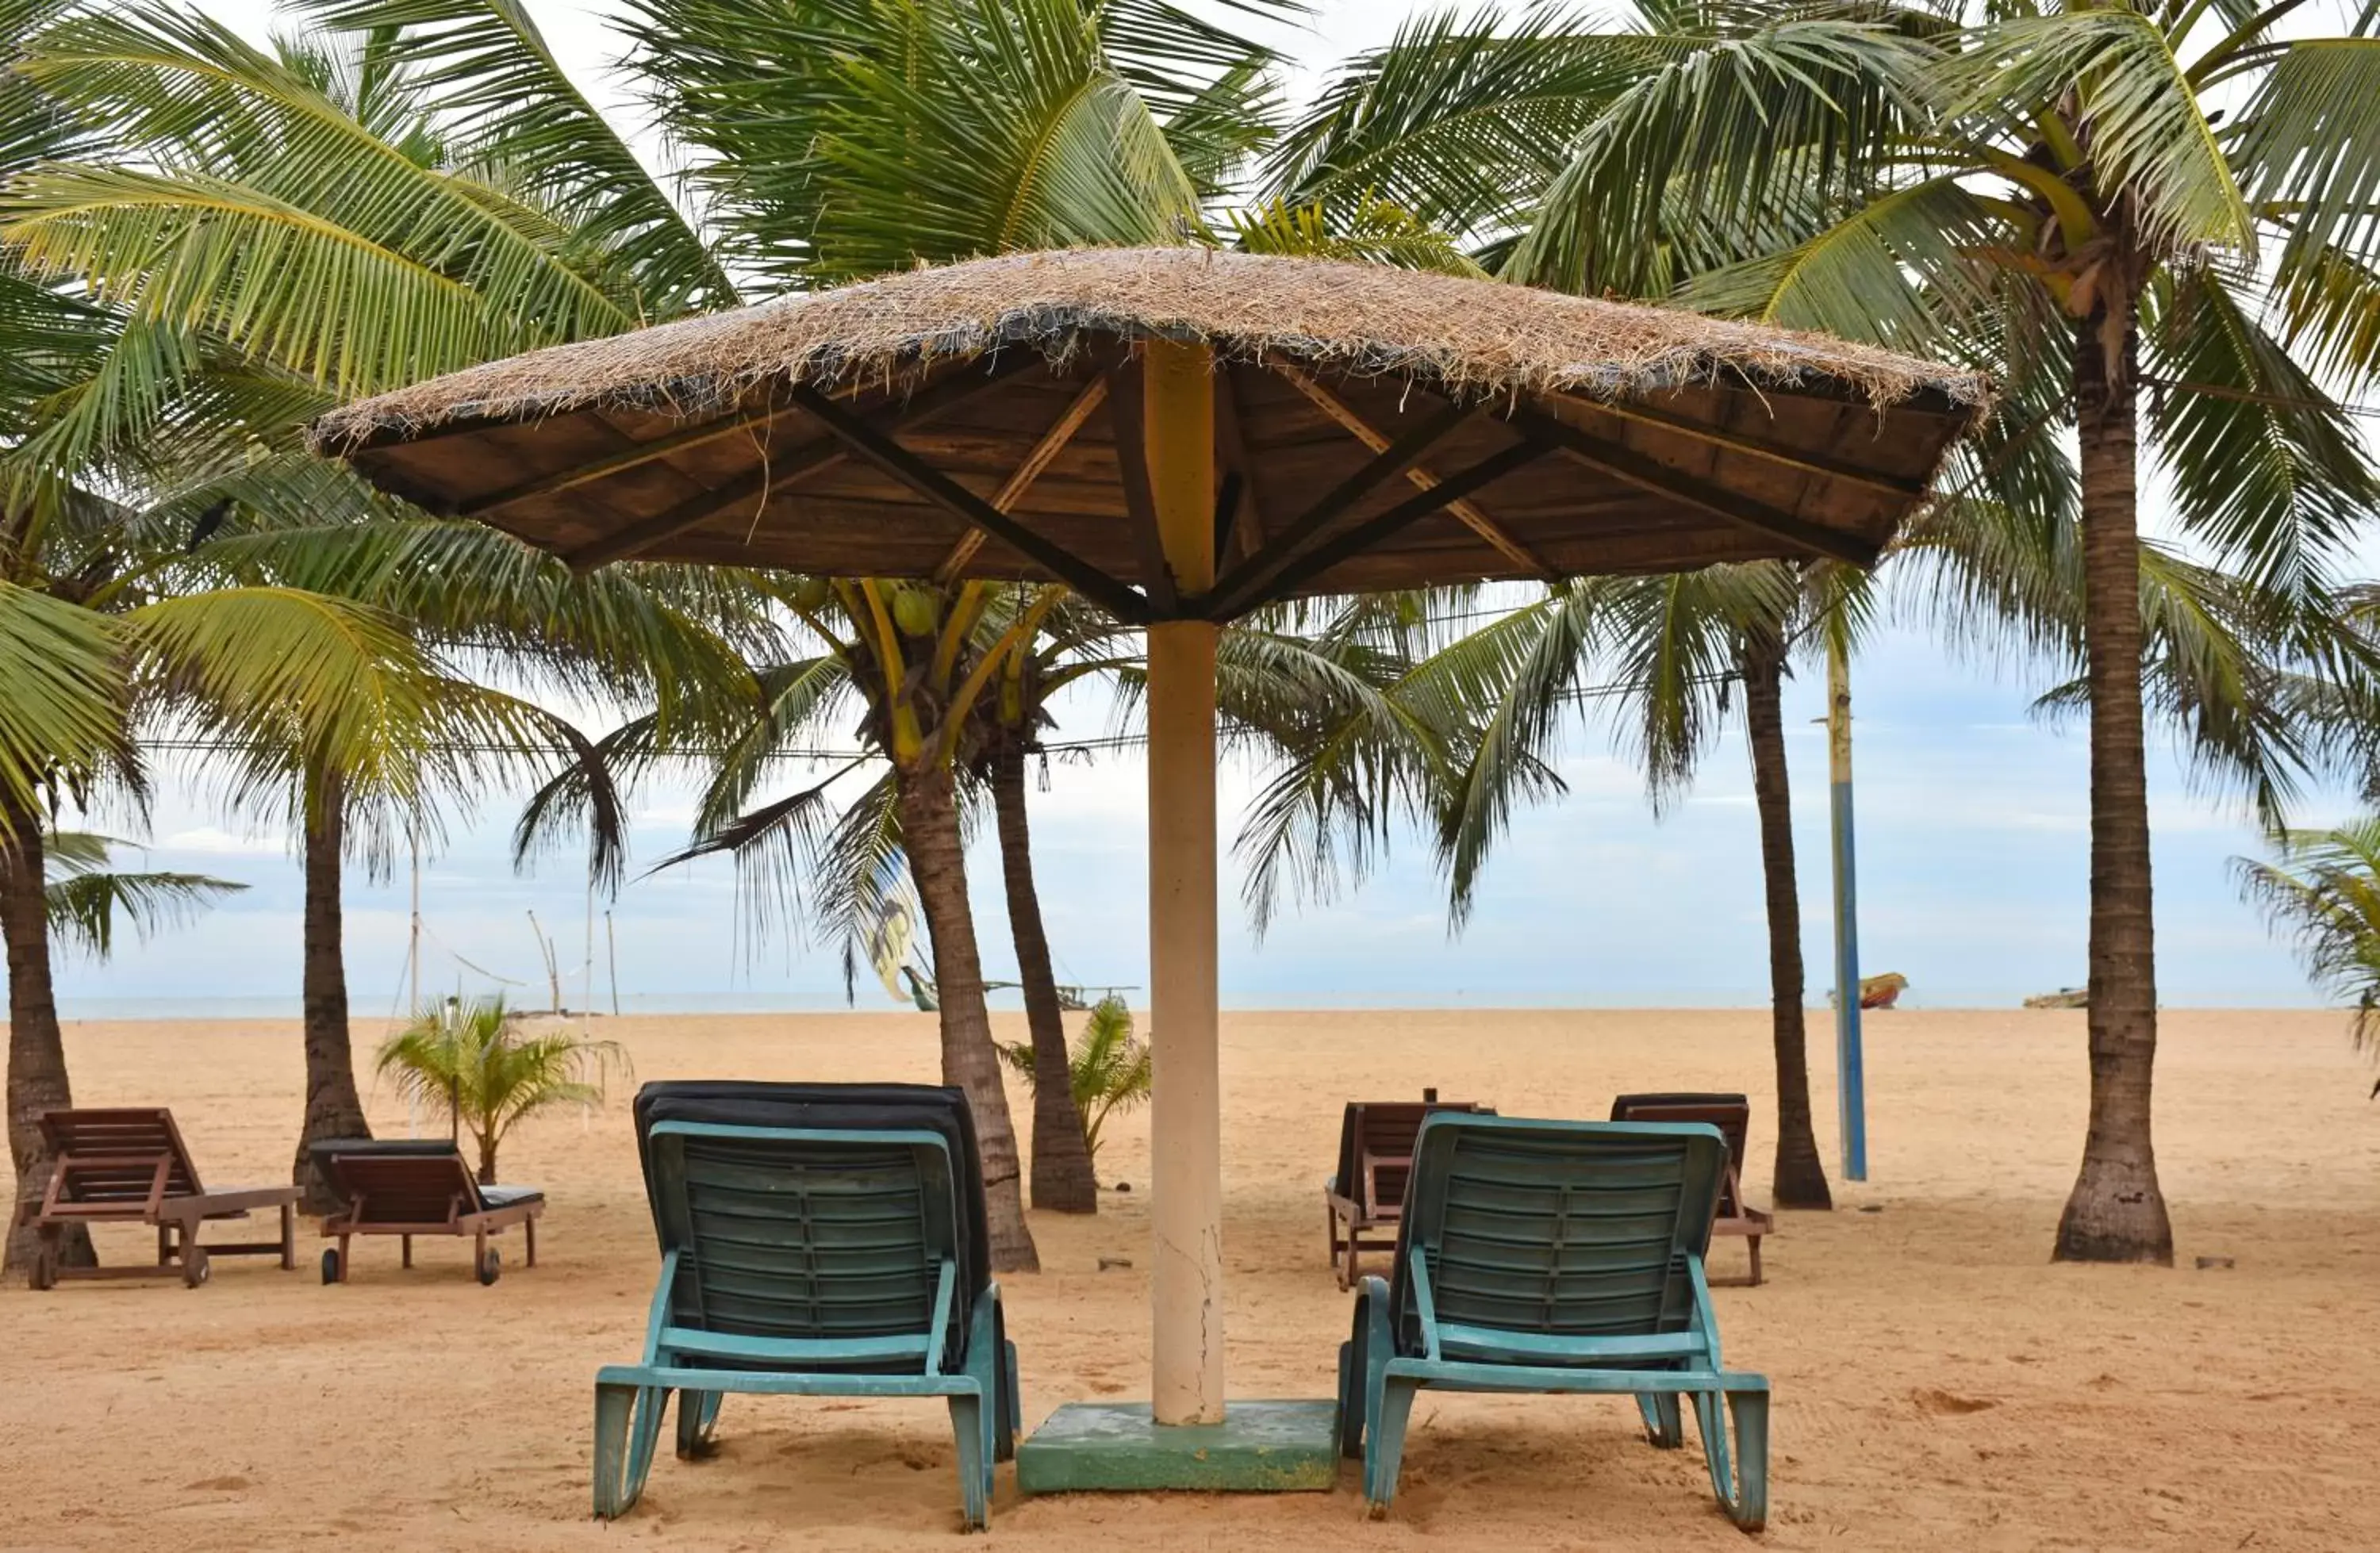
(1850, 1081)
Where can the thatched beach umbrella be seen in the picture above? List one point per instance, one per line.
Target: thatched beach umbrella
(1181, 436)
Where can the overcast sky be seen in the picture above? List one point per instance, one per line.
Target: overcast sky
(1974, 852)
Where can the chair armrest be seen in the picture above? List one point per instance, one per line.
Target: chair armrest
(657, 1321)
(945, 1290)
(1425, 1304)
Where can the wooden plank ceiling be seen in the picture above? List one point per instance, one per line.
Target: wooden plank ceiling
(1008, 469)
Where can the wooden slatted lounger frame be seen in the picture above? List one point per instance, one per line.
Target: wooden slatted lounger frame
(406, 1189)
(128, 1165)
(1376, 1140)
(1731, 1114)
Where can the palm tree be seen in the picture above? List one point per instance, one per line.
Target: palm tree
(2089, 201)
(1661, 659)
(917, 660)
(1073, 643)
(267, 125)
(1108, 1072)
(627, 637)
(473, 1065)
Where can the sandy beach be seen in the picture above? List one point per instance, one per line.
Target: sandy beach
(1938, 1380)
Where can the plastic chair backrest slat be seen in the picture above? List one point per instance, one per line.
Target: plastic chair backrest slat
(808, 1234)
(1559, 1228)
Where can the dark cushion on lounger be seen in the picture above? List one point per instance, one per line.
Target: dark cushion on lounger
(327, 1150)
(322, 1148)
(838, 1107)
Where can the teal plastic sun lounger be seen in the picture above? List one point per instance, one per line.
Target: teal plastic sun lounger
(817, 1241)
(1555, 1256)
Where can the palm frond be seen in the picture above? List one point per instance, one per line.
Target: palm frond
(1369, 231)
(249, 203)
(89, 905)
(2322, 888)
(2266, 466)
(61, 707)
(1806, 105)
(2150, 136)
(496, 85)
(1463, 118)
(2308, 151)
(1897, 271)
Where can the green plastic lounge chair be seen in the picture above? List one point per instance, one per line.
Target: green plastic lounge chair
(818, 1240)
(1555, 1256)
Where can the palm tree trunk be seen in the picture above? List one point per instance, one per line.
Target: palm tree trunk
(1062, 1162)
(333, 1110)
(37, 1053)
(2115, 1213)
(930, 832)
(1800, 1179)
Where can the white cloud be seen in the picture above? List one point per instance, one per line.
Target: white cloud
(214, 840)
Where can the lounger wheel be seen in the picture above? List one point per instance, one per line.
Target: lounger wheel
(331, 1268)
(491, 1267)
(197, 1266)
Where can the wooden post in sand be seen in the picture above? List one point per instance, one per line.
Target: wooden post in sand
(1185, 1281)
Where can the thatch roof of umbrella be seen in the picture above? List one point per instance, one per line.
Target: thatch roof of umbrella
(1375, 428)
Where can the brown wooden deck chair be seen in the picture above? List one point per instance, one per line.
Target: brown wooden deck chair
(1731, 1114)
(129, 1166)
(408, 1187)
(1376, 1141)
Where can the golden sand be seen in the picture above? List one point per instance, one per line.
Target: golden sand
(1938, 1381)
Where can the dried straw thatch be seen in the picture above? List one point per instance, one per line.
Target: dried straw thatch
(1471, 335)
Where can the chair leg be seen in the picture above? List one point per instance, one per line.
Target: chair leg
(1347, 1268)
(1384, 1451)
(697, 1416)
(1749, 1503)
(971, 1425)
(528, 1236)
(346, 1259)
(194, 1257)
(1710, 1422)
(289, 1237)
(1011, 1406)
(1755, 1260)
(165, 1244)
(1349, 1425)
(405, 1251)
(1663, 1422)
(1740, 1486)
(621, 1416)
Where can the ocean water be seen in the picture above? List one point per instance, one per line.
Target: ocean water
(288, 1008)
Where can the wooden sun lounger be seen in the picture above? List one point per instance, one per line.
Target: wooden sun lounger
(129, 1166)
(1376, 1139)
(406, 1187)
(1731, 1114)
